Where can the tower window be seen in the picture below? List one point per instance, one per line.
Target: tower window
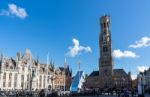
(105, 49)
(104, 25)
(104, 32)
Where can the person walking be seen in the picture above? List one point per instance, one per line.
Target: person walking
(42, 94)
(49, 94)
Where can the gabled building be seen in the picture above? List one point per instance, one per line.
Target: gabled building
(63, 78)
(24, 72)
(120, 80)
(92, 81)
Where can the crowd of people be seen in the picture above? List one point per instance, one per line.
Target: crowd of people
(50, 93)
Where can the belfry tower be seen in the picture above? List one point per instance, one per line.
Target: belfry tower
(105, 60)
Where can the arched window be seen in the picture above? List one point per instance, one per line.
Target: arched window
(15, 80)
(10, 78)
(4, 77)
(28, 77)
(40, 83)
(104, 25)
(22, 81)
(44, 82)
(105, 49)
(4, 80)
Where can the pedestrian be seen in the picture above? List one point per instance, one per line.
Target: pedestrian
(42, 94)
(132, 92)
(49, 94)
(119, 93)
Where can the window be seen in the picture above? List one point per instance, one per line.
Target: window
(37, 83)
(105, 49)
(104, 25)
(28, 77)
(10, 77)
(15, 80)
(4, 80)
(106, 72)
(44, 82)
(22, 81)
(40, 83)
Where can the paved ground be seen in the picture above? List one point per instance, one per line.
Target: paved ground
(97, 96)
(146, 95)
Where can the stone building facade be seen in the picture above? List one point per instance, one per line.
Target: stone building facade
(24, 72)
(105, 45)
(146, 78)
(92, 81)
(108, 77)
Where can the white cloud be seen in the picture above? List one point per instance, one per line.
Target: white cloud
(142, 68)
(77, 49)
(14, 10)
(124, 54)
(134, 76)
(143, 42)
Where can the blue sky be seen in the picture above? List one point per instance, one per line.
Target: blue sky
(51, 25)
